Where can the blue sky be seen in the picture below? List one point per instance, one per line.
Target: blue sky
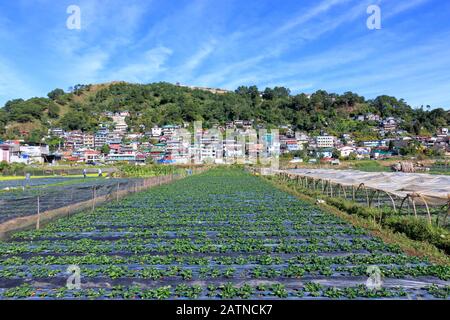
(304, 45)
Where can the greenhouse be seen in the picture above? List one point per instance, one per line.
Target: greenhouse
(410, 192)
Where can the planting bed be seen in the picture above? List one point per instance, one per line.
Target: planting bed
(38, 182)
(22, 203)
(221, 234)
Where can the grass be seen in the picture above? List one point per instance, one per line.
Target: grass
(439, 171)
(370, 166)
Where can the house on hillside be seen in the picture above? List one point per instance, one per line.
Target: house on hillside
(381, 153)
(32, 154)
(345, 151)
(156, 131)
(7, 151)
(443, 132)
(88, 141)
(390, 124)
(120, 125)
(57, 132)
(324, 153)
(90, 156)
(363, 152)
(325, 141)
(374, 143)
(74, 140)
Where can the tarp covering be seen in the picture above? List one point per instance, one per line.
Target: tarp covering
(435, 189)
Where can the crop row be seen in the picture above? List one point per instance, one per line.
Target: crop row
(221, 234)
(309, 290)
(250, 272)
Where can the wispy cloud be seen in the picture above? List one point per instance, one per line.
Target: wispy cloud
(196, 60)
(401, 6)
(310, 14)
(306, 45)
(147, 68)
(284, 39)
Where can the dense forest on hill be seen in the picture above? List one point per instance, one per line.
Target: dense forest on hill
(163, 103)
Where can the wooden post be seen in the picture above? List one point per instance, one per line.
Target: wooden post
(38, 221)
(71, 199)
(93, 198)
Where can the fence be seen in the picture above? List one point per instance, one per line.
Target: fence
(19, 210)
(52, 172)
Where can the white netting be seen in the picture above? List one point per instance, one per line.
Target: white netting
(433, 188)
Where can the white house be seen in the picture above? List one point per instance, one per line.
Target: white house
(156, 131)
(363, 152)
(6, 151)
(443, 132)
(346, 151)
(33, 154)
(375, 143)
(325, 141)
(121, 157)
(119, 123)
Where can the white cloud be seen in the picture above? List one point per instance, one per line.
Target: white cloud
(87, 67)
(107, 28)
(265, 65)
(196, 60)
(312, 13)
(147, 68)
(400, 7)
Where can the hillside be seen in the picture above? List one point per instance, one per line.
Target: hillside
(164, 103)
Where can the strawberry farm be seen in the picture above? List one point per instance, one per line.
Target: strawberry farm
(222, 234)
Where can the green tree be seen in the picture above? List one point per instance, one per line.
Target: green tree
(54, 143)
(105, 149)
(53, 110)
(55, 94)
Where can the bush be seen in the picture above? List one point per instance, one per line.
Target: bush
(420, 229)
(147, 170)
(11, 169)
(352, 208)
(4, 166)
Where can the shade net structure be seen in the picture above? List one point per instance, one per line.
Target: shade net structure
(434, 189)
(407, 192)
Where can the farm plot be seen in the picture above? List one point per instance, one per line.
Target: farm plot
(37, 182)
(223, 234)
(16, 204)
